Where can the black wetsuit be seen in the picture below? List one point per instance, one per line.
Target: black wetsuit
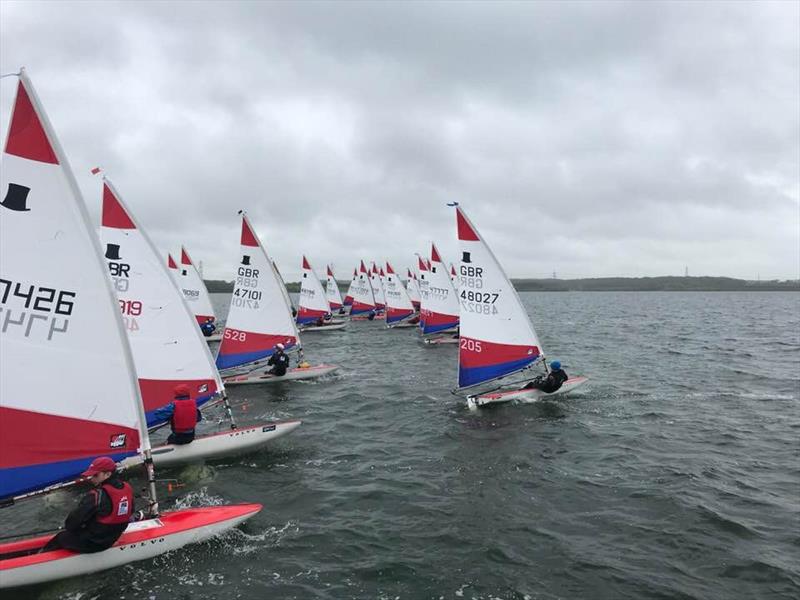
(551, 383)
(280, 363)
(82, 532)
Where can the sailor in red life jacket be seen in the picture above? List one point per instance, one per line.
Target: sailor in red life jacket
(183, 416)
(102, 514)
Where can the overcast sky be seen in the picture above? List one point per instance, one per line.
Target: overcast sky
(589, 138)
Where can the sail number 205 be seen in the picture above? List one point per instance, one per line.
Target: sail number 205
(470, 345)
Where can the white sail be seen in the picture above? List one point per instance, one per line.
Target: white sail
(496, 335)
(377, 287)
(361, 289)
(194, 290)
(332, 293)
(168, 346)
(412, 286)
(398, 302)
(259, 317)
(68, 391)
(312, 305)
(440, 303)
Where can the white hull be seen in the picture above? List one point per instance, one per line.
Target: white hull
(441, 340)
(530, 395)
(218, 445)
(291, 375)
(331, 327)
(217, 337)
(403, 325)
(140, 541)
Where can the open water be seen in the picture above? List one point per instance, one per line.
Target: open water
(673, 474)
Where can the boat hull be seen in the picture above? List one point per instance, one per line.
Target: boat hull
(217, 337)
(291, 375)
(140, 541)
(217, 445)
(474, 402)
(441, 340)
(331, 327)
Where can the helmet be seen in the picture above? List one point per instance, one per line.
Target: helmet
(280, 346)
(182, 391)
(555, 365)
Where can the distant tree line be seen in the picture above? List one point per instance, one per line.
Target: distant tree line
(606, 284)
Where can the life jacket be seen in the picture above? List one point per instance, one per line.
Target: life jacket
(184, 417)
(121, 504)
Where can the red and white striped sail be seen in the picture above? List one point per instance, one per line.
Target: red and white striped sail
(377, 287)
(496, 336)
(332, 291)
(441, 302)
(168, 346)
(68, 391)
(259, 317)
(312, 304)
(424, 284)
(194, 290)
(361, 289)
(348, 299)
(398, 303)
(412, 286)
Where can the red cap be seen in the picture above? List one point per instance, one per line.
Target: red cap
(101, 464)
(182, 391)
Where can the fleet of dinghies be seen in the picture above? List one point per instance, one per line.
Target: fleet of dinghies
(114, 301)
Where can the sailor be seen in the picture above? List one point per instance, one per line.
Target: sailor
(320, 322)
(371, 315)
(208, 328)
(279, 361)
(554, 380)
(183, 416)
(102, 514)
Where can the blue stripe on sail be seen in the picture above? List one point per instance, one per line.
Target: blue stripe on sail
(306, 320)
(440, 327)
(475, 375)
(153, 422)
(226, 361)
(20, 480)
(396, 318)
(360, 311)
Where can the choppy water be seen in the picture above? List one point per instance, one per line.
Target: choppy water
(674, 474)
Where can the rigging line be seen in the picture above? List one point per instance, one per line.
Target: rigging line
(3, 77)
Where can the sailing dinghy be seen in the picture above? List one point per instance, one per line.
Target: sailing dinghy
(332, 293)
(314, 312)
(348, 299)
(497, 338)
(259, 318)
(412, 286)
(399, 309)
(175, 272)
(377, 289)
(167, 346)
(61, 317)
(363, 306)
(440, 303)
(194, 290)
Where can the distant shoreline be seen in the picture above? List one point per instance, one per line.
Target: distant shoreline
(607, 284)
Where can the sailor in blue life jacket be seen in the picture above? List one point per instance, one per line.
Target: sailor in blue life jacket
(102, 514)
(183, 416)
(208, 328)
(371, 315)
(279, 361)
(554, 380)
